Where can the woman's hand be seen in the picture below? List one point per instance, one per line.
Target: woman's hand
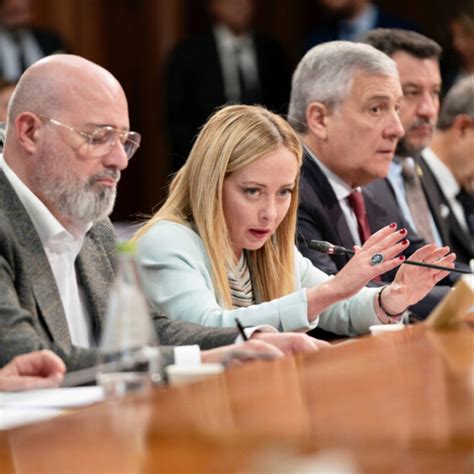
(362, 267)
(412, 283)
(378, 255)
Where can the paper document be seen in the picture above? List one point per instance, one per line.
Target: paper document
(17, 408)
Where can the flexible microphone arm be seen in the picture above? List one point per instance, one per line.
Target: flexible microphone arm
(331, 249)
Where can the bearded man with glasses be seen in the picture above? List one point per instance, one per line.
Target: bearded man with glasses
(67, 141)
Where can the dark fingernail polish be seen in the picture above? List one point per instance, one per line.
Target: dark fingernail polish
(393, 225)
(401, 257)
(403, 231)
(404, 242)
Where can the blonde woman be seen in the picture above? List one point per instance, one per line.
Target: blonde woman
(222, 245)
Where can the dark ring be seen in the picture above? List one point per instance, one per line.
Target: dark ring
(376, 259)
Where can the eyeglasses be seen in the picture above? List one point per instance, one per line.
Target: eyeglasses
(102, 139)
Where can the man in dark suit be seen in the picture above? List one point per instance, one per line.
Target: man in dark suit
(344, 103)
(20, 44)
(229, 64)
(67, 140)
(449, 164)
(417, 59)
(347, 19)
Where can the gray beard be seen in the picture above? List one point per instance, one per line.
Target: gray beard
(86, 206)
(76, 200)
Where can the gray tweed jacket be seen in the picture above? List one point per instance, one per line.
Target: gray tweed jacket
(31, 313)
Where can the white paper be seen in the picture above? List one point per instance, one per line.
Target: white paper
(20, 408)
(52, 397)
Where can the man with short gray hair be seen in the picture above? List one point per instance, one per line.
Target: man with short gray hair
(344, 102)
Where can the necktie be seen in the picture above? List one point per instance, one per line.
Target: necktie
(467, 202)
(248, 91)
(22, 62)
(416, 201)
(356, 201)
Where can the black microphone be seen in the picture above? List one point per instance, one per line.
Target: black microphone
(328, 248)
(331, 249)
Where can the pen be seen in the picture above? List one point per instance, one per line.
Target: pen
(241, 330)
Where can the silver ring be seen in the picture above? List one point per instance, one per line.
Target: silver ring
(376, 259)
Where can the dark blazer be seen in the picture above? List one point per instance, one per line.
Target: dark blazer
(31, 313)
(331, 30)
(194, 87)
(320, 217)
(451, 231)
(49, 41)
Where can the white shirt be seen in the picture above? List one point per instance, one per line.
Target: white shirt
(10, 53)
(62, 249)
(342, 192)
(448, 184)
(227, 45)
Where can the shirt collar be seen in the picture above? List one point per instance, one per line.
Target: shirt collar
(229, 40)
(341, 189)
(443, 174)
(48, 227)
(365, 21)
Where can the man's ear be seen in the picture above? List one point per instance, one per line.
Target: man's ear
(27, 128)
(461, 124)
(317, 119)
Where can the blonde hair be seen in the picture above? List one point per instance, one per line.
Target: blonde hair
(234, 137)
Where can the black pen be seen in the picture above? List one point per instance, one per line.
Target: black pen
(241, 330)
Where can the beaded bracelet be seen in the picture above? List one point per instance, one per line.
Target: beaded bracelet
(390, 315)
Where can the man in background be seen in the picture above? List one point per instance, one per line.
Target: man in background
(450, 164)
(417, 59)
(348, 19)
(20, 43)
(231, 63)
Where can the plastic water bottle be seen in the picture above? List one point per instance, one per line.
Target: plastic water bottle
(129, 357)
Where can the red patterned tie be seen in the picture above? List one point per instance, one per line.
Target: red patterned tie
(356, 201)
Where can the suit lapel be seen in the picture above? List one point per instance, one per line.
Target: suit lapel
(318, 182)
(38, 270)
(95, 275)
(434, 199)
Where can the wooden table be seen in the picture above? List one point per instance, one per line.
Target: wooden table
(401, 402)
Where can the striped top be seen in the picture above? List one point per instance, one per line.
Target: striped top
(241, 284)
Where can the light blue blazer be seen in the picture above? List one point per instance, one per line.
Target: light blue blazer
(177, 278)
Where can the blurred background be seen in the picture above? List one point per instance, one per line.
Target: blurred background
(133, 39)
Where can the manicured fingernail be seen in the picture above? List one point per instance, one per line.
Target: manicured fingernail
(401, 257)
(403, 231)
(404, 242)
(393, 225)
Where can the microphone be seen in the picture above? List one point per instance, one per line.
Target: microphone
(331, 249)
(328, 248)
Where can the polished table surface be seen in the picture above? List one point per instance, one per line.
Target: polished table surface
(401, 402)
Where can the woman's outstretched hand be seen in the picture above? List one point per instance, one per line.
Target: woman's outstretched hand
(378, 255)
(412, 283)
